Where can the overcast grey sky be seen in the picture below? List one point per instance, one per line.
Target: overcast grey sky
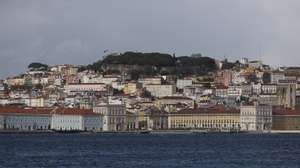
(77, 32)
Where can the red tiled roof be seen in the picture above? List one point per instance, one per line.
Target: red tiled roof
(285, 111)
(208, 110)
(37, 111)
(74, 111)
(19, 110)
(176, 97)
(86, 84)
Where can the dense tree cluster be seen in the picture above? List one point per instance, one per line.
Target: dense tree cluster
(157, 63)
(38, 66)
(137, 58)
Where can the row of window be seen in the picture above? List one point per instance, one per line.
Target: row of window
(15, 120)
(28, 127)
(184, 125)
(203, 121)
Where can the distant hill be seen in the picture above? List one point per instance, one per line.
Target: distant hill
(154, 63)
(137, 58)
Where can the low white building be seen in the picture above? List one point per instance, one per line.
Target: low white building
(150, 81)
(60, 119)
(256, 117)
(161, 90)
(276, 76)
(244, 61)
(181, 83)
(66, 122)
(2, 90)
(238, 78)
(92, 122)
(234, 90)
(269, 89)
(35, 102)
(85, 88)
(221, 92)
(256, 88)
(193, 91)
(257, 64)
(76, 119)
(27, 119)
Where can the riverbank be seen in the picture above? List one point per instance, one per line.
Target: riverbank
(285, 131)
(148, 132)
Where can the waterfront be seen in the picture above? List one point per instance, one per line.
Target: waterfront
(151, 150)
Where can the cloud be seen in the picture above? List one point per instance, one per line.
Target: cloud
(61, 32)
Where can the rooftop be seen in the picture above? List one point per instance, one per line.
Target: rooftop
(208, 110)
(285, 111)
(176, 98)
(45, 111)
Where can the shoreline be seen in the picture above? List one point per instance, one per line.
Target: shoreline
(155, 132)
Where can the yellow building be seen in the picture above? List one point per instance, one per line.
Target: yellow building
(152, 118)
(215, 118)
(130, 88)
(16, 81)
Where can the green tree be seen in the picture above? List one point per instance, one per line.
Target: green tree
(38, 66)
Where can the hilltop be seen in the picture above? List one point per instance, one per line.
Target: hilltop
(153, 64)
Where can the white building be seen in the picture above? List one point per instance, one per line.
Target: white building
(244, 61)
(181, 83)
(256, 117)
(114, 115)
(193, 91)
(60, 119)
(150, 81)
(35, 102)
(161, 90)
(269, 89)
(75, 119)
(234, 90)
(2, 89)
(85, 88)
(238, 78)
(276, 76)
(26, 119)
(117, 85)
(221, 92)
(257, 64)
(256, 88)
(4, 101)
(269, 99)
(66, 122)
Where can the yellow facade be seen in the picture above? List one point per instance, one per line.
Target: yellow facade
(205, 121)
(130, 88)
(16, 81)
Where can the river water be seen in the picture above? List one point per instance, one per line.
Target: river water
(152, 150)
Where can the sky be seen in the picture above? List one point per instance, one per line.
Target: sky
(77, 32)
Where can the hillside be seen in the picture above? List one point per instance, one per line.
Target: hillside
(153, 63)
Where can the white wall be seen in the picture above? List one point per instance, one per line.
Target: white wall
(67, 122)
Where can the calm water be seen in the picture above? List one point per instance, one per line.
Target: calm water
(98, 150)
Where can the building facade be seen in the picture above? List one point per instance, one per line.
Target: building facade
(161, 90)
(256, 117)
(181, 83)
(114, 116)
(214, 118)
(58, 119)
